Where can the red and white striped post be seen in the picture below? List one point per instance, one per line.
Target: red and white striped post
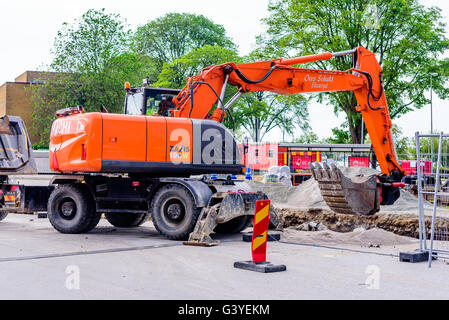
(260, 231)
(259, 242)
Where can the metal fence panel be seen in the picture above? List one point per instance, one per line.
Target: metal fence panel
(433, 193)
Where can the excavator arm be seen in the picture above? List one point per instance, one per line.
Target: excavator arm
(364, 79)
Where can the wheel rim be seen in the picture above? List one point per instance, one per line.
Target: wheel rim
(173, 212)
(67, 209)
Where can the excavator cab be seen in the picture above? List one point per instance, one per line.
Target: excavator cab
(149, 101)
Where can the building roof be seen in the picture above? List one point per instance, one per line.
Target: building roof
(35, 76)
(328, 147)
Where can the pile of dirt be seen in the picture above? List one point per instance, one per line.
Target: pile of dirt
(401, 224)
(355, 171)
(301, 204)
(308, 195)
(365, 238)
(406, 203)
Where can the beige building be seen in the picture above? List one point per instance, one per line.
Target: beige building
(16, 100)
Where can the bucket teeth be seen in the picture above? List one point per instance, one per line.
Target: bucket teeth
(312, 170)
(345, 195)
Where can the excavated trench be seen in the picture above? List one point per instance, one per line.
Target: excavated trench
(296, 205)
(401, 224)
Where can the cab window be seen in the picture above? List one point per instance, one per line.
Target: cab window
(134, 103)
(160, 104)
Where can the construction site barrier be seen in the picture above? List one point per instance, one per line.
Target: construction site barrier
(432, 187)
(259, 242)
(260, 231)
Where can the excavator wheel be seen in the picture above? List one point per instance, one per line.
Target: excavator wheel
(71, 209)
(233, 226)
(174, 212)
(357, 196)
(93, 222)
(126, 219)
(3, 215)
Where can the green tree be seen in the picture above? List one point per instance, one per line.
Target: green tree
(175, 73)
(89, 43)
(55, 94)
(408, 40)
(91, 63)
(173, 35)
(260, 112)
(339, 136)
(307, 137)
(405, 146)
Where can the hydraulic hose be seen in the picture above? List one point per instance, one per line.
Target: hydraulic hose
(232, 119)
(245, 79)
(192, 86)
(370, 90)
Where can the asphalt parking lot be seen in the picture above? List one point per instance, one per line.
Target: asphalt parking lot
(37, 262)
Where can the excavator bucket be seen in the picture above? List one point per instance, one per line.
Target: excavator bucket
(358, 195)
(16, 153)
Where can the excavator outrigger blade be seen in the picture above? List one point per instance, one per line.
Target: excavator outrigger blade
(358, 195)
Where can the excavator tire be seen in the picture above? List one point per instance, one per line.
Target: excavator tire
(358, 195)
(71, 209)
(174, 212)
(3, 215)
(233, 226)
(126, 219)
(94, 222)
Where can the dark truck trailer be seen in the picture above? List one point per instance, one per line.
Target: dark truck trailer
(18, 163)
(27, 193)
(181, 208)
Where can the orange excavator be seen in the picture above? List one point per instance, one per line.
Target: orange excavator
(155, 158)
(360, 195)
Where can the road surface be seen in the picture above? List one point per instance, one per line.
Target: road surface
(37, 262)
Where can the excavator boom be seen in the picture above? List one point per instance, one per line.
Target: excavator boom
(364, 79)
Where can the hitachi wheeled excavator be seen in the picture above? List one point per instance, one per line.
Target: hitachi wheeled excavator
(169, 135)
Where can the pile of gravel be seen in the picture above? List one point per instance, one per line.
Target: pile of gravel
(365, 238)
(308, 195)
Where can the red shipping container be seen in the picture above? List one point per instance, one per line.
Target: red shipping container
(282, 156)
(358, 162)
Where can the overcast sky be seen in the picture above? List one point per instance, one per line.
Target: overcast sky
(28, 28)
